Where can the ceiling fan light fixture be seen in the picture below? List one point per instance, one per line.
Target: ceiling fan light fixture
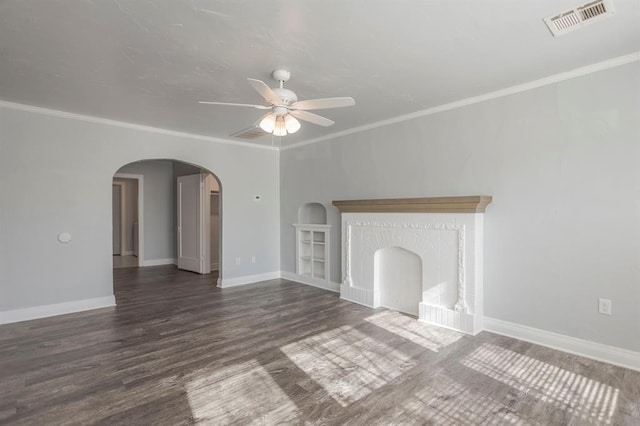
(280, 128)
(268, 123)
(292, 125)
(285, 109)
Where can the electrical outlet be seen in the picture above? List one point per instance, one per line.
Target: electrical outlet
(237, 260)
(604, 306)
(253, 259)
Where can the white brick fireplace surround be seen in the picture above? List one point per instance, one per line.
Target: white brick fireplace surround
(416, 255)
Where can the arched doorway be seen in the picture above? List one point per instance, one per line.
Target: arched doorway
(167, 212)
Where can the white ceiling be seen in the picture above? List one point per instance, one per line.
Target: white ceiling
(149, 62)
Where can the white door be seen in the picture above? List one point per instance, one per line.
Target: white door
(117, 246)
(189, 209)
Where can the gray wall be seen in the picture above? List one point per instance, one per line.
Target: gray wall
(183, 169)
(158, 208)
(77, 159)
(563, 165)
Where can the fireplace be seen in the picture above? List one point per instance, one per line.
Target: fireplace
(416, 255)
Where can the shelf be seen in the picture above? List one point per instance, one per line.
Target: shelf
(312, 251)
(318, 243)
(318, 276)
(472, 204)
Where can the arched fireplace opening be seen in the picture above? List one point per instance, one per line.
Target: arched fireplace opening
(398, 278)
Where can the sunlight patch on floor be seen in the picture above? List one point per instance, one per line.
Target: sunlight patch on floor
(447, 402)
(347, 363)
(425, 335)
(240, 394)
(585, 398)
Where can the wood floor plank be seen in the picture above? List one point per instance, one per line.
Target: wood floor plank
(177, 350)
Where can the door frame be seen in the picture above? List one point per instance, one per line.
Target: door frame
(216, 266)
(123, 216)
(140, 179)
(206, 195)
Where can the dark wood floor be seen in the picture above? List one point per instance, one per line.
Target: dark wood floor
(178, 350)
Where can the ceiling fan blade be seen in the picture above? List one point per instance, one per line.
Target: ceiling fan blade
(264, 90)
(323, 103)
(232, 104)
(312, 118)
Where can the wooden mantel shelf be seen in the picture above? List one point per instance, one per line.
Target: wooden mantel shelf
(470, 204)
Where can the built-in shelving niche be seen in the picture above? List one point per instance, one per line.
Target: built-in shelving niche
(312, 243)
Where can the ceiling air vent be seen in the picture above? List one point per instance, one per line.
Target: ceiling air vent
(250, 133)
(579, 17)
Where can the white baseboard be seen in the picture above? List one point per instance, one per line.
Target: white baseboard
(44, 311)
(357, 295)
(609, 354)
(247, 279)
(315, 282)
(450, 318)
(158, 262)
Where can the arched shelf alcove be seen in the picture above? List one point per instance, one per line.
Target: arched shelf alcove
(312, 213)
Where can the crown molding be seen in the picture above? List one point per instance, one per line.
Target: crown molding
(556, 78)
(126, 125)
(589, 69)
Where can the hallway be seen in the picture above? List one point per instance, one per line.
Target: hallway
(124, 262)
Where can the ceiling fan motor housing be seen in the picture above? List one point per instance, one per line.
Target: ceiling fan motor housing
(280, 110)
(286, 96)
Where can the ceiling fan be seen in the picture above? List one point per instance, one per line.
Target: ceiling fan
(285, 107)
